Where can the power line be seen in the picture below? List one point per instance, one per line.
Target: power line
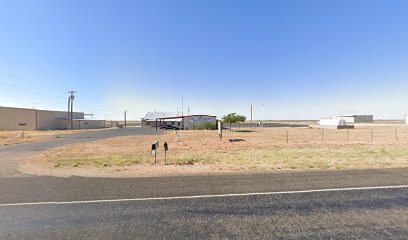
(98, 110)
(32, 103)
(17, 80)
(70, 101)
(27, 91)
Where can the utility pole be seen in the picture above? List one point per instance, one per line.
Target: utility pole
(125, 116)
(71, 109)
(251, 114)
(69, 114)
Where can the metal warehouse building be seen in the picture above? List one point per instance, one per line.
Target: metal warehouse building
(355, 118)
(153, 119)
(34, 119)
(149, 119)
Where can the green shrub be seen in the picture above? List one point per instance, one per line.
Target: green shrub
(205, 125)
(243, 130)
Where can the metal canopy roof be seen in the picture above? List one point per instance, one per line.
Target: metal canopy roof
(152, 116)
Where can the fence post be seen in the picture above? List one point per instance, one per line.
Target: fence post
(287, 135)
(372, 135)
(396, 134)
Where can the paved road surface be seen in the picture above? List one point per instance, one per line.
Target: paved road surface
(200, 207)
(365, 213)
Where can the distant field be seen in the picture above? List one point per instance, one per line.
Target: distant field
(381, 121)
(15, 137)
(390, 121)
(285, 121)
(251, 150)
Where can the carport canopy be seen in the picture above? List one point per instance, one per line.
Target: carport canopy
(167, 118)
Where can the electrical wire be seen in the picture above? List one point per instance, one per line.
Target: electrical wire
(1, 102)
(98, 110)
(18, 81)
(6, 82)
(27, 91)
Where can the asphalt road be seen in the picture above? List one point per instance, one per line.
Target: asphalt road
(365, 213)
(313, 205)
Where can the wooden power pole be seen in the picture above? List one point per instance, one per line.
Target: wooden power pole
(71, 109)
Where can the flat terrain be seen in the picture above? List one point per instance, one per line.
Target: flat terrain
(16, 137)
(245, 150)
(371, 204)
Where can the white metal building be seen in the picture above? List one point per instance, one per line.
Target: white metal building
(356, 118)
(150, 118)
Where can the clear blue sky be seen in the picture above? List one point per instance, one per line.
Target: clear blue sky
(347, 56)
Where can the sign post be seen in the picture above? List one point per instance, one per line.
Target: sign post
(166, 148)
(220, 130)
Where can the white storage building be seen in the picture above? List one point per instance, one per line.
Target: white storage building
(356, 118)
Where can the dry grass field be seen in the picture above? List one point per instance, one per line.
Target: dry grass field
(15, 137)
(246, 150)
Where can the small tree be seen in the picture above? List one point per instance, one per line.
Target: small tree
(233, 118)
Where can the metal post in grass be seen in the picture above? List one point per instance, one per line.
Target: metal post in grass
(220, 130)
(166, 148)
(287, 135)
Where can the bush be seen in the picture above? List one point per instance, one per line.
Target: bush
(205, 125)
(243, 130)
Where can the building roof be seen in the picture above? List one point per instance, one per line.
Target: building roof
(199, 115)
(152, 116)
(352, 115)
(36, 109)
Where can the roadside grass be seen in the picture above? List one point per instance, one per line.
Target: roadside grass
(315, 157)
(14, 137)
(97, 160)
(262, 150)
